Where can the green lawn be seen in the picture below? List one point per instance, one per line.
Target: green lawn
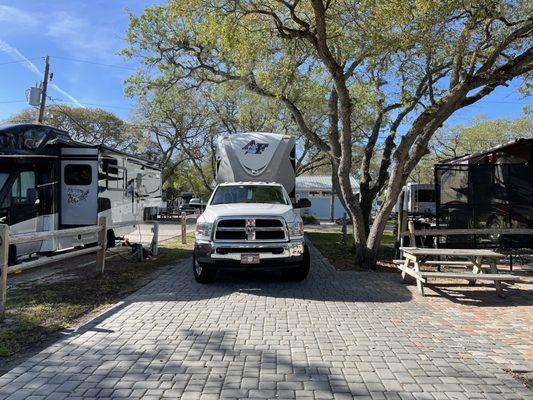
(329, 243)
(35, 312)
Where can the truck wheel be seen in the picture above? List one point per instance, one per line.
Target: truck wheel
(299, 273)
(202, 274)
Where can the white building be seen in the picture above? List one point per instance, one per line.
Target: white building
(318, 189)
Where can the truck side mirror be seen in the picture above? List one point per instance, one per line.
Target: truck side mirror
(302, 203)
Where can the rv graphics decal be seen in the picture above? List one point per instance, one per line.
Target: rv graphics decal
(254, 148)
(77, 195)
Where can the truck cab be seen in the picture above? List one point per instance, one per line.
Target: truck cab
(250, 226)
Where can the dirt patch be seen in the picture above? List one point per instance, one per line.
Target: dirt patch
(526, 377)
(38, 310)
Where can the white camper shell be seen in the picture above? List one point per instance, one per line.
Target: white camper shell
(257, 157)
(50, 182)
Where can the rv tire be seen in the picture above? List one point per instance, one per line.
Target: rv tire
(12, 255)
(110, 239)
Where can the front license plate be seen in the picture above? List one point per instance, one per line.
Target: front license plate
(249, 258)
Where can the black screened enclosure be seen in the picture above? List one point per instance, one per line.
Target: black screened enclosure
(484, 191)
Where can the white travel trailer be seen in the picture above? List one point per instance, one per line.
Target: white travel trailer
(257, 157)
(50, 182)
(418, 200)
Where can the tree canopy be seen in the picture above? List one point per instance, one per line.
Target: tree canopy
(350, 73)
(89, 125)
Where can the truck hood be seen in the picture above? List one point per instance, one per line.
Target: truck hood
(246, 209)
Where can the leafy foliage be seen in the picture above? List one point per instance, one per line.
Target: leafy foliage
(89, 125)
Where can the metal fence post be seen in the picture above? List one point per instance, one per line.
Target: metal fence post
(4, 261)
(184, 228)
(155, 238)
(102, 242)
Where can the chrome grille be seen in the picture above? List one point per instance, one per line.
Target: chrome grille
(250, 229)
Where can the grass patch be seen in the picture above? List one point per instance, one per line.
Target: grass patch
(329, 243)
(33, 313)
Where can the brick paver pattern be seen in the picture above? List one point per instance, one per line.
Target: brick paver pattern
(336, 335)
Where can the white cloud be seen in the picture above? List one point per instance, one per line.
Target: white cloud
(13, 15)
(80, 37)
(16, 55)
(74, 34)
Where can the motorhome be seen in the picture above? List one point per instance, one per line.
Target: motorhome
(490, 189)
(251, 221)
(50, 182)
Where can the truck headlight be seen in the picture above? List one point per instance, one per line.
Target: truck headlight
(296, 229)
(203, 231)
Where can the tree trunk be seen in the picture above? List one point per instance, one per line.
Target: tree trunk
(365, 200)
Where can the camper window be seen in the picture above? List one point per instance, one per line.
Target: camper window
(78, 174)
(24, 184)
(425, 195)
(114, 174)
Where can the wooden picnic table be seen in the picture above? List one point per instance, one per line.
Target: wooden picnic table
(415, 258)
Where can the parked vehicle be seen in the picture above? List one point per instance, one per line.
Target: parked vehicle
(197, 204)
(418, 200)
(250, 225)
(251, 221)
(491, 189)
(50, 182)
(183, 204)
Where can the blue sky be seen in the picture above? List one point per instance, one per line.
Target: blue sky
(93, 31)
(66, 30)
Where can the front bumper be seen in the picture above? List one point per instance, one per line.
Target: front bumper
(272, 255)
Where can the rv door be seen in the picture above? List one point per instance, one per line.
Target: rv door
(79, 192)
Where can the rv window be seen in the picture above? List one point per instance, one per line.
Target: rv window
(19, 191)
(78, 174)
(114, 174)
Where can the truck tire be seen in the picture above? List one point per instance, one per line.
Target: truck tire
(202, 274)
(299, 273)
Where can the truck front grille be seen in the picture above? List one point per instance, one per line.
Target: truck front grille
(250, 229)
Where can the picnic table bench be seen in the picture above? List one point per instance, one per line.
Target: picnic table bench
(415, 258)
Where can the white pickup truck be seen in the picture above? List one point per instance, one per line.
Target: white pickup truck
(250, 226)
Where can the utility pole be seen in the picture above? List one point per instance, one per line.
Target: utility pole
(45, 86)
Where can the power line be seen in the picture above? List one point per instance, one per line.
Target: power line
(93, 104)
(70, 117)
(12, 101)
(94, 63)
(21, 61)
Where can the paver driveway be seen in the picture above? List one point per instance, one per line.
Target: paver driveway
(336, 335)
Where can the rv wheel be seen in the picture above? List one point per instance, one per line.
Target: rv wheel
(495, 222)
(12, 255)
(110, 239)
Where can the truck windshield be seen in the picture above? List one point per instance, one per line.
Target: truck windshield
(249, 194)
